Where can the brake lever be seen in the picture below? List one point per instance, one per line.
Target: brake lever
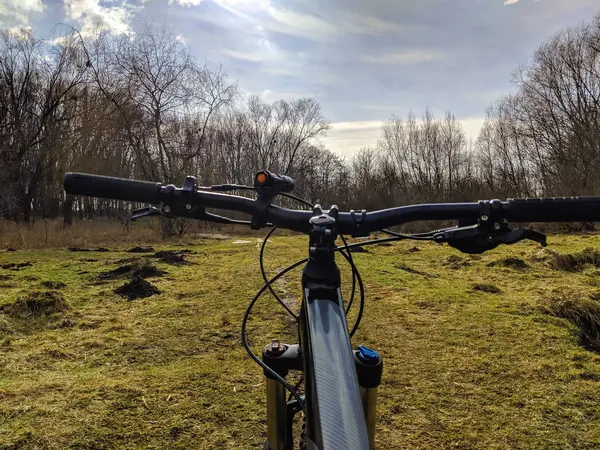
(193, 212)
(474, 240)
(145, 212)
(525, 233)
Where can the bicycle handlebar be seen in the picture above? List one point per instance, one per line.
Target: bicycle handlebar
(566, 209)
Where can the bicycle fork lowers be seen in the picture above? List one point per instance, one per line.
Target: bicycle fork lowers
(336, 377)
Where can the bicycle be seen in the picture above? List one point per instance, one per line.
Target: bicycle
(340, 382)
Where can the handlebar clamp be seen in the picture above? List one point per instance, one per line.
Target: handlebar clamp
(490, 215)
(359, 230)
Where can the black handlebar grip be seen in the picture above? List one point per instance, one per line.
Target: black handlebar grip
(554, 209)
(113, 188)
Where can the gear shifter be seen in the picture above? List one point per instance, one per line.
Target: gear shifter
(473, 239)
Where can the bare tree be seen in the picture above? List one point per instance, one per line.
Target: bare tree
(155, 84)
(278, 131)
(38, 86)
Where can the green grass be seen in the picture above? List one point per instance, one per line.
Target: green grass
(474, 353)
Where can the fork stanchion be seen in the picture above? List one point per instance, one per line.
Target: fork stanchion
(281, 358)
(369, 367)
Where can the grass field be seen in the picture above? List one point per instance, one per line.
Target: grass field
(474, 355)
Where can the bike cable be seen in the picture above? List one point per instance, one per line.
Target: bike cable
(264, 275)
(265, 287)
(415, 237)
(355, 275)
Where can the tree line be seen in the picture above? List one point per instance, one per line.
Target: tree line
(141, 106)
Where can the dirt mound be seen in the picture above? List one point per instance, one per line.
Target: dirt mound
(408, 269)
(454, 259)
(581, 312)
(358, 250)
(53, 284)
(174, 260)
(148, 271)
(5, 277)
(414, 250)
(489, 288)
(173, 257)
(133, 259)
(456, 262)
(541, 256)
(15, 266)
(137, 288)
(80, 249)
(511, 263)
(133, 270)
(575, 262)
(37, 304)
(116, 273)
(5, 327)
(141, 250)
(174, 252)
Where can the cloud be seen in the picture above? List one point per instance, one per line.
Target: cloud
(17, 12)
(472, 126)
(271, 96)
(403, 58)
(366, 24)
(92, 15)
(185, 2)
(253, 57)
(347, 138)
(510, 2)
(20, 29)
(301, 24)
(316, 26)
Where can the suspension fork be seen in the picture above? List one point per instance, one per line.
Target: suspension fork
(280, 413)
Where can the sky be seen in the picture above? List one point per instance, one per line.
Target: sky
(363, 60)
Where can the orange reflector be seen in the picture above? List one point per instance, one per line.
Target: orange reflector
(261, 177)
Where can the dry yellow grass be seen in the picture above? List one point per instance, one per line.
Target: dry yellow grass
(90, 233)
